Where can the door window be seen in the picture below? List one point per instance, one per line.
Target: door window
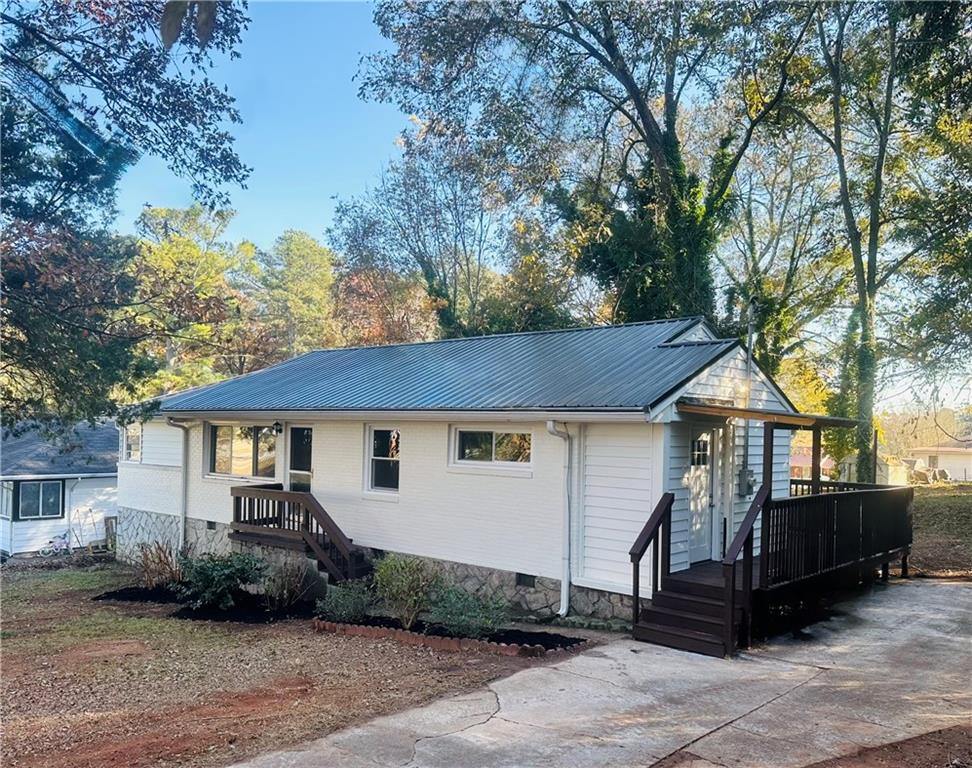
(300, 458)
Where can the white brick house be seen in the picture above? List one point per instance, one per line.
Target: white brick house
(523, 462)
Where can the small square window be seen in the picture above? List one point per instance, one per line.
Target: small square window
(490, 447)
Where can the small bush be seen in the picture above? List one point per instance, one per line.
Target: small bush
(216, 580)
(347, 603)
(462, 614)
(285, 585)
(405, 586)
(158, 565)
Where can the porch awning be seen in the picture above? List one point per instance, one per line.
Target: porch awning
(782, 418)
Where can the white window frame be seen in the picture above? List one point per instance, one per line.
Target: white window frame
(210, 448)
(40, 500)
(370, 491)
(126, 443)
(493, 467)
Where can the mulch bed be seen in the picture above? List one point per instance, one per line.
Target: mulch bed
(506, 642)
(248, 608)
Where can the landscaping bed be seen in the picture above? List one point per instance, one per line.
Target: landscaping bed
(125, 682)
(502, 642)
(247, 608)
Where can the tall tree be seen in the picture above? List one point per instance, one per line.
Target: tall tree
(88, 88)
(296, 281)
(434, 213)
(864, 95)
(530, 82)
(780, 260)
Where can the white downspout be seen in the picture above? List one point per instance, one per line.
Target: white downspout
(564, 435)
(184, 495)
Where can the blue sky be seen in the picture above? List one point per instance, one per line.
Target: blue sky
(305, 132)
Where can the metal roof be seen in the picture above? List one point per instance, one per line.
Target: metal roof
(616, 367)
(86, 450)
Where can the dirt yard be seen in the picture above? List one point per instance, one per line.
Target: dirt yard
(943, 530)
(90, 684)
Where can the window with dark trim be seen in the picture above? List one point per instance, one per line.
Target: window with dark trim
(242, 451)
(39, 499)
(933, 461)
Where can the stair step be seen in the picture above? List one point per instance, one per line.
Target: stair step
(267, 540)
(671, 617)
(681, 639)
(689, 587)
(697, 604)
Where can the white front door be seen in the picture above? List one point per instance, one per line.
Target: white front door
(700, 494)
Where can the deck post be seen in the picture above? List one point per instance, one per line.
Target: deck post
(635, 593)
(884, 571)
(904, 565)
(815, 460)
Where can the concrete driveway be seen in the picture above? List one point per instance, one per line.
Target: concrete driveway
(894, 663)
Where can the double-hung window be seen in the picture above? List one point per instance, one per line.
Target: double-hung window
(40, 499)
(384, 453)
(242, 451)
(489, 447)
(133, 442)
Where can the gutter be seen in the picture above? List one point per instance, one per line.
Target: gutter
(564, 435)
(184, 495)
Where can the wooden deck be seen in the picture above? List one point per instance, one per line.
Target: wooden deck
(713, 607)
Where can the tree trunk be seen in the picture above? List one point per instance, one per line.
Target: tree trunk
(867, 376)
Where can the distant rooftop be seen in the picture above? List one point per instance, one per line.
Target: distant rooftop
(87, 451)
(618, 367)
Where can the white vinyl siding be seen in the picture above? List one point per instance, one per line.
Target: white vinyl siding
(161, 444)
(620, 489)
(87, 502)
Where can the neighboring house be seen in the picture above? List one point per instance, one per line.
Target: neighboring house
(954, 456)
(891, 470)
(801, 463)
(48, 489)
(521, 462)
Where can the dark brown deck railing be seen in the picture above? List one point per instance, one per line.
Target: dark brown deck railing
(269, 510)
(800, 486)
(658, 530)
(743, 543)
(805, 536)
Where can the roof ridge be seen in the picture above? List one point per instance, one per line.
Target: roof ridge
(574, 329)
(697, 342)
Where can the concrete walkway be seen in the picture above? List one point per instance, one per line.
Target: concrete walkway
(894, 663)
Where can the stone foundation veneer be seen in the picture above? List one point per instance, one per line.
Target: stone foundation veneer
(136, 526)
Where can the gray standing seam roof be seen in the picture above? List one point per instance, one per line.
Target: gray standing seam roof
(617, 367)
(90, 451)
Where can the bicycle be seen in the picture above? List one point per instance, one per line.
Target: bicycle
(56, 546)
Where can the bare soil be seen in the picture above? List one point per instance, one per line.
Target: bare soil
(943, 531)
(948, 748)
(94, 683)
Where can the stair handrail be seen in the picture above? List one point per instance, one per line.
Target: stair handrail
(650, 533)
(742, 542)
(275, 492)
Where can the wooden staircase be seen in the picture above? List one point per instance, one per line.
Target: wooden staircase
(688, 613)
(269, 516)
(704, 609)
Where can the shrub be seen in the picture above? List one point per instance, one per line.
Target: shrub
(405, 586)
(347, 603)
(216, 580)
(463, 614)
(158, 565)
(285, 585)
